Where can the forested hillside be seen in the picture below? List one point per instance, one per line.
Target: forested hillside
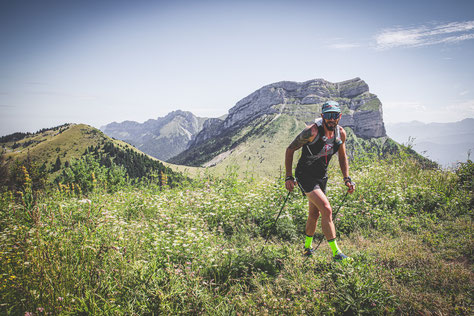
(72, 154)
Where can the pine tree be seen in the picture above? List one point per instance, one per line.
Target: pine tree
(57, 164)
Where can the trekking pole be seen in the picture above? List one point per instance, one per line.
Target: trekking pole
(274, 224)
(333, 217)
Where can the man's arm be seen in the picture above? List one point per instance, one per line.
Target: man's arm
(303, 138)
(343, 162)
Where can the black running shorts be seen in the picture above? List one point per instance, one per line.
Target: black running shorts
(308, 183)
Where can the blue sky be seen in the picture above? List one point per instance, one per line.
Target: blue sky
(96, 62)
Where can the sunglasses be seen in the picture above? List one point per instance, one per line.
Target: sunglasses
(331, 115)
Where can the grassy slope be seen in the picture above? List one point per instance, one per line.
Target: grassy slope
(70, 144)
(263, 153)
(143, 251)
(188, 171)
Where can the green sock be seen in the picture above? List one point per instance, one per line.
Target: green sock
(308, 241)
(333, 244)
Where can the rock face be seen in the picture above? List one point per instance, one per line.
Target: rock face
(210, 127)
(362, 111)
(180, 131)
(162, 138)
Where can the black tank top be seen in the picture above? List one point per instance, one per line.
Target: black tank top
(316, 155)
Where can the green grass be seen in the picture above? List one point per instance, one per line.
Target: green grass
(69, 142)
(195, 249)
(372, 105)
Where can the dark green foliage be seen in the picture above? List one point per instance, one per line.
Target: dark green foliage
(19, 136)
(241, 264)
(136, 165)
(3, 170)
(59, 128)
(57, 165)
(465, 172)
(112, 166)
(13, 137)
(14, 175)
(87, 173)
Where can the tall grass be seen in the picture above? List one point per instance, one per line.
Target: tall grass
(195, 249)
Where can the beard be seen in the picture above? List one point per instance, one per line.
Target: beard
(330, 125)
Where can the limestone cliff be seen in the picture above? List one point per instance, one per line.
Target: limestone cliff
(191, 139)
(362, 110)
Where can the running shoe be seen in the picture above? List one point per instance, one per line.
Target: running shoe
(340, 257)
(308, 252)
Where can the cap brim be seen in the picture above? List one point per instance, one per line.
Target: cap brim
(332, 109)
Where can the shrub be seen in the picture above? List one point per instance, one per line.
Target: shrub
(87, 172)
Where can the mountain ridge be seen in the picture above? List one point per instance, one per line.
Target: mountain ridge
(362, 112)
(447, 143)
(54, 149)
(261, 125)
(161, 138)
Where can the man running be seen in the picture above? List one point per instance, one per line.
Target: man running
(320, 141)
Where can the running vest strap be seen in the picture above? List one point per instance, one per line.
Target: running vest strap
(322, 146)
(316, 155)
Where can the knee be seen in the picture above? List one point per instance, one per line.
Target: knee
(326, 212)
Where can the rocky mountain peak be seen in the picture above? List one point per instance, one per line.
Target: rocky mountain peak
(362, 111)
(179, 130)
(163, 137)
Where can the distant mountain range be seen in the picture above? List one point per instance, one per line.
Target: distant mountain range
(275, 112)
(260, 126)
(445, 143)
(252, 136)
(256, 131)
(162, 138)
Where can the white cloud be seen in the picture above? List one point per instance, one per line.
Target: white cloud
(343, 46)
(425, 35)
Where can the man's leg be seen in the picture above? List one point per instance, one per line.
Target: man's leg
(319, 199)
(311, 222)
(321, 202)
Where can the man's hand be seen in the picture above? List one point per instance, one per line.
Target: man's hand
(290, 183)
(351, 185)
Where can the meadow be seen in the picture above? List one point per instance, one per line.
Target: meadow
(196, 248)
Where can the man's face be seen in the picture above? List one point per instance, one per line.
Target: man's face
(331, 119)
